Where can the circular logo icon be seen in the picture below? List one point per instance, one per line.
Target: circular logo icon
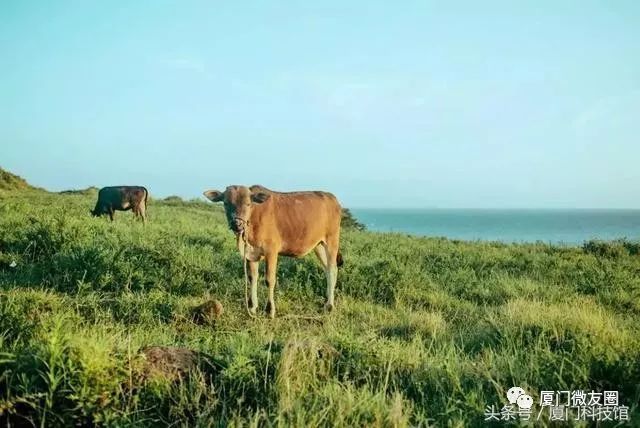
(513, 394)
(525, 401)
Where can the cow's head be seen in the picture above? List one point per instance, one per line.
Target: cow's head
(97, 211)
(238, 203)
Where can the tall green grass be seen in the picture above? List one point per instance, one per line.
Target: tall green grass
(426, 332)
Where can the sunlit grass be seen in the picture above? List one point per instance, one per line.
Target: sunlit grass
(426, 331)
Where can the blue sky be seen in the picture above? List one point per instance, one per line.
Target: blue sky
(386, 104)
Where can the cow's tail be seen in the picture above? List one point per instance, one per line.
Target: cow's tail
(339, 260)
(145, 217)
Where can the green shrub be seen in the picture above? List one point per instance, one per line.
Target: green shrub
(350, 222)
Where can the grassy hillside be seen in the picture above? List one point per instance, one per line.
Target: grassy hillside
(13, 183)
(426, 331)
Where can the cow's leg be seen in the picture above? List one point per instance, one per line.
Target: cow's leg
(331, 272)
(111, 213)
(253, 278)
(321, 252)
(140, 212)
(322, 255)
(143, 212)
(272, 266)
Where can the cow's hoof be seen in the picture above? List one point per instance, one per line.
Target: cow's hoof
(270, 310)
(328, 307)
(252, 308)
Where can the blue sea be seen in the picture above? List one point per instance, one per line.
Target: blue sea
(571, 227)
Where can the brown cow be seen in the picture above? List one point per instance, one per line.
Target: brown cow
(268, 224)
(122, 198)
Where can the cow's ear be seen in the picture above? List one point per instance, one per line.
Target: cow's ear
(259, 198)
(214, 195)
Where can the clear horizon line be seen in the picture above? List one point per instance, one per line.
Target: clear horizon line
(495, 208)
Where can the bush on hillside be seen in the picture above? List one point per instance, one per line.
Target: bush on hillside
(350, 222)
(611, 249)
(9, 181)
(89, 191)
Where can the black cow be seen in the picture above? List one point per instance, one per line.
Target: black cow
(122, 198)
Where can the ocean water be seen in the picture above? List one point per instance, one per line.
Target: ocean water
(571, 227)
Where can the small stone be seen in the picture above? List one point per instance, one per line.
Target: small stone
(13, 264)
(173, 364)
(208, 312)
(168, 362)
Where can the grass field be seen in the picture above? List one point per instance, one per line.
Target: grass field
(426, 332)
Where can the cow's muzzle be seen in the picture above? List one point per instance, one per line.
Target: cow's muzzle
(238, 224)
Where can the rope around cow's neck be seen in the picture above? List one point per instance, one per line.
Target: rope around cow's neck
(243, 236)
